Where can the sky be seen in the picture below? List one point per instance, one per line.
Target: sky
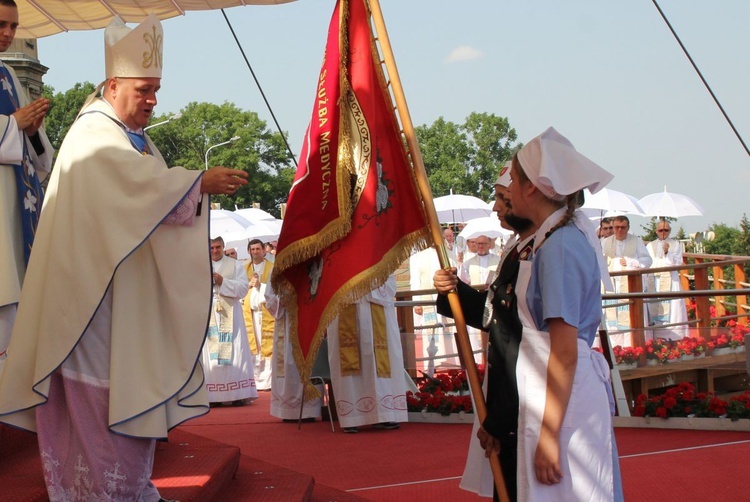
(606, 74)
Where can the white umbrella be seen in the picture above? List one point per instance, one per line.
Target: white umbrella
(40, 18)
(225, 223)
(486, 225)
(254, 214)
(670, 205)
(265, 230)
(456, 208)
(610, 202)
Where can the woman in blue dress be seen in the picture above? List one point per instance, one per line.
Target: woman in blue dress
(566, 449)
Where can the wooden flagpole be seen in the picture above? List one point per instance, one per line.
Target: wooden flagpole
(462, 335)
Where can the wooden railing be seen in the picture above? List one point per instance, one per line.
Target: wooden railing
(706, 272)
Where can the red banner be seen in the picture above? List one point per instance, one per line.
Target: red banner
(318, 207)
(387, 220)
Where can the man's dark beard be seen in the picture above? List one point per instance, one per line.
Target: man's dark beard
(518, 224)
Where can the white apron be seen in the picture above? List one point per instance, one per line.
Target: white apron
(585, 437)
(477, 476)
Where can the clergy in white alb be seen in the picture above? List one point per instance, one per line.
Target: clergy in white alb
(623, 251)
(367, 362)
(286, 386)
(478, 271)
(258, 320)
(666, 252)
(226, 358)
(434, 341)
(25, 160)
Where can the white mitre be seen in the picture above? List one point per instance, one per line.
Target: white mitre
(133, 53)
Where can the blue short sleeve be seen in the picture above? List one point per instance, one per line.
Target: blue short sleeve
(565, 283)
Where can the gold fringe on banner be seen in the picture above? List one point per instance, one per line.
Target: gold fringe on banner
(306, 248)
(349, 293)
(354, 164)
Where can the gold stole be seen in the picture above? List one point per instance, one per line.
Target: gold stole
(280, 329)
(267, 319)
(629, 247)
(248, 313)
(267, 322)
(348, 334)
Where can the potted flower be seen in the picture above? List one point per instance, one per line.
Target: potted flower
(657, 351)
(726, 342)
(738, 333)
(690, 347)
(444, 394)
(683, 401)
(627, 356)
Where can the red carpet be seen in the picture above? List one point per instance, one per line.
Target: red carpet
(423, 462)
(418, 462)
(191, 467)
(20, 467)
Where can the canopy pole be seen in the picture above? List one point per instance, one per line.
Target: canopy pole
(462, 336)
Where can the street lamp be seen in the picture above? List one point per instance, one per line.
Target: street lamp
(219, 144)
(170, 119)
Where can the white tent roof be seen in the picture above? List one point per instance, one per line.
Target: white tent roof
(40, 18)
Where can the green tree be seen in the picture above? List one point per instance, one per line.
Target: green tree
(63, 109)
(259, 151)
(726, 241)
(466, 158)
(743, 242)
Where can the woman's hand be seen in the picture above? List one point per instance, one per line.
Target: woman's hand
(547, 459)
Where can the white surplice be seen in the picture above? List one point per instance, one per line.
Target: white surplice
(12, 262)
(286, 386)
(235, 381)
(365, 398)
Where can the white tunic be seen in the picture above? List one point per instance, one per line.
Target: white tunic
(231, 382)
(12, 263)
(366, 398)
(286, 386)
(667, 281)
(435, 345)
(257, 298)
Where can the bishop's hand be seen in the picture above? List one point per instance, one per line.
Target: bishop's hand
(221, 180)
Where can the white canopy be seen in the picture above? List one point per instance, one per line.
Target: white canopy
(40, 18)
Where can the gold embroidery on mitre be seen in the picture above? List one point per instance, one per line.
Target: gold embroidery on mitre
(153, 56)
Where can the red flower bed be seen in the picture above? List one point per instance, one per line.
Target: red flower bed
(682, 401)
(442, 393)
(627, 355)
